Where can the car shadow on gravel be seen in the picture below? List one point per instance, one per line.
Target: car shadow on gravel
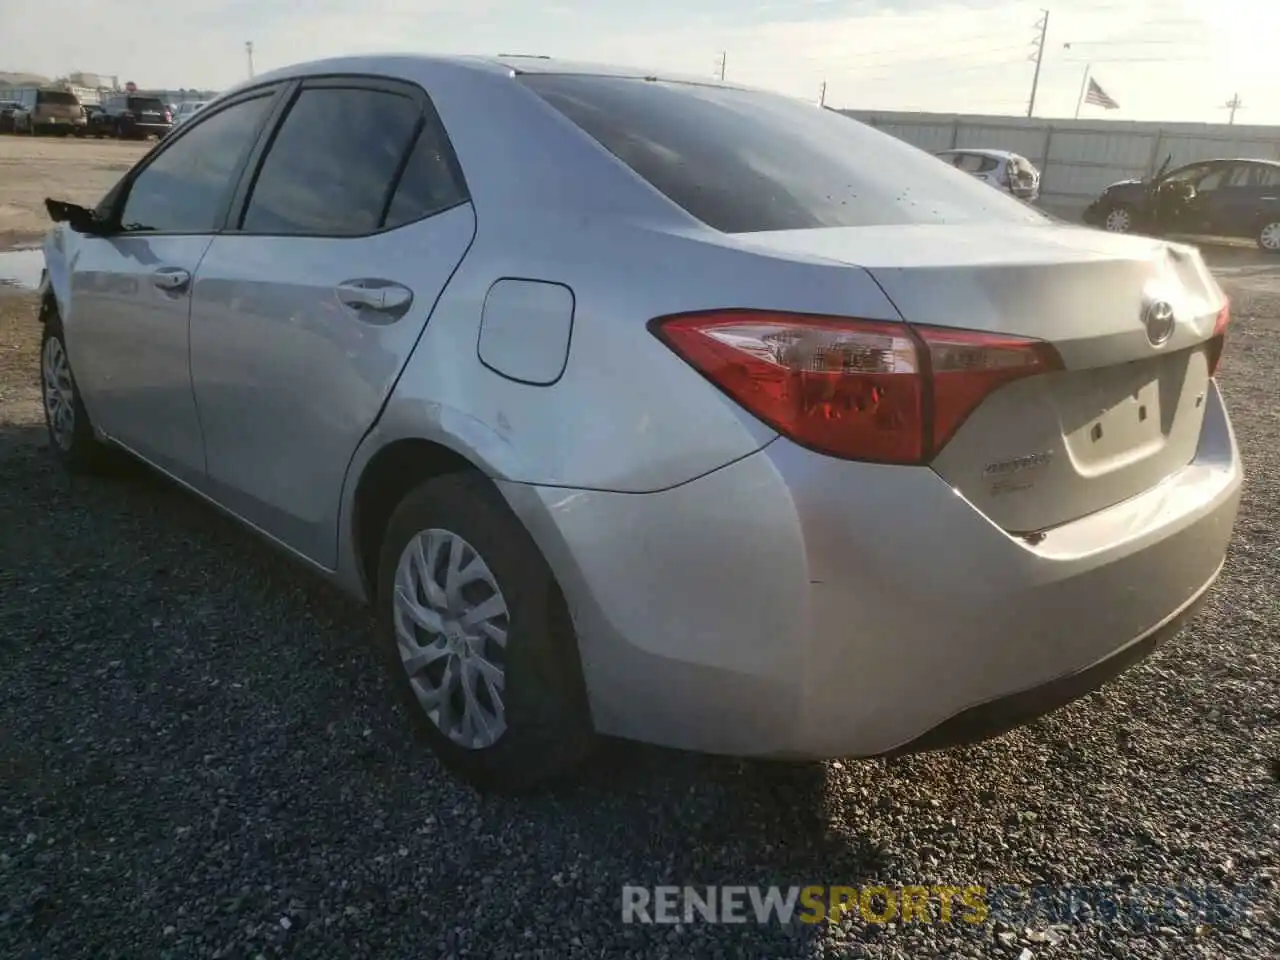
(181, 690)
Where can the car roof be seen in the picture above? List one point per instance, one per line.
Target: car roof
(983, 152)
(491, 64)
(1264, 162)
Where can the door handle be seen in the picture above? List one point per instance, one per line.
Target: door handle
(171, 279)
(381, 296)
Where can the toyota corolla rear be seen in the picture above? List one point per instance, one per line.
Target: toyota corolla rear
(982, 489)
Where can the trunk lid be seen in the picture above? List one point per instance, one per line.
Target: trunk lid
(1124, 413)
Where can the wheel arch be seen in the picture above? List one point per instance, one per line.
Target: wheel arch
(390, 473)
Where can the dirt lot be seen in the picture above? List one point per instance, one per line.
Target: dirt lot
(65, 168)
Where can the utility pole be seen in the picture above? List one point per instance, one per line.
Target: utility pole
(248, 49)
(1043, 26)
(1234, 104)
(822, 95)
(724, 55)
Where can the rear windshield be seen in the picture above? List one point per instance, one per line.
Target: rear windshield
(746, 161)
(59, 97)
(138, 104)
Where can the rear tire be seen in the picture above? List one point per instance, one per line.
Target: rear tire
(71, 435)
(1268, 238)
(507, 693)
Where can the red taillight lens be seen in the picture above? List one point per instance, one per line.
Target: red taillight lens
(1219, 339)
(968, 366)
(168, 117)
(857, 389)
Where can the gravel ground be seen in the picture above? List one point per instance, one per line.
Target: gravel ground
(200, 757)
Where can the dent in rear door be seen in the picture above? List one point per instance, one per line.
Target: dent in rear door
(288, 377)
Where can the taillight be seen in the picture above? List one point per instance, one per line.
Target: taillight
(168, 117)
(1219, 339)
(856, 389)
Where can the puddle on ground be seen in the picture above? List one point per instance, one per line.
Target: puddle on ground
(20, 269)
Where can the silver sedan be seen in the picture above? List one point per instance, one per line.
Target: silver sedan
(654, 407)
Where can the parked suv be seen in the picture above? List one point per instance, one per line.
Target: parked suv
(1005, 171)
(47, 111)
(136, 116)
(1224, 198)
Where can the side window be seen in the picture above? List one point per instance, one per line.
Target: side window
(183, 189)
(969, 162)
(1242, 175)
(331, 166)
(1269, 177)
(1214, 180)
(429, 182)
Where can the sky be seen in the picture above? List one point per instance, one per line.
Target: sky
(1160, 59)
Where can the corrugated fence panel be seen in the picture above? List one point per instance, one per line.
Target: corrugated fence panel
(1084, 155)
(1024, 139)
(927, 136)
(1188, 148)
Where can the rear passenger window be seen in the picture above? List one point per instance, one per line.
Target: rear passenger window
(430, 182)
(330, 169)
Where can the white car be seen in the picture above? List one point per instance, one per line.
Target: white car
(1010, 172)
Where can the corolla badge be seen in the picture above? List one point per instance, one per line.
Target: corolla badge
(1159, 322)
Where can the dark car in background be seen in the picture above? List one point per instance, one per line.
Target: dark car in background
(94, 117)
(1223, 198)
(135, 116)
(7, 107)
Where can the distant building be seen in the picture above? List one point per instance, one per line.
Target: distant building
(95, 81)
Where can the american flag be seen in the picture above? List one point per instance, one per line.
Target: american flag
(1099, 97)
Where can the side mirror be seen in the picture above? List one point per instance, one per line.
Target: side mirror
(78, 218)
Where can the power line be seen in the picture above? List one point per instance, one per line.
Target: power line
(943, 73)
(932, 56)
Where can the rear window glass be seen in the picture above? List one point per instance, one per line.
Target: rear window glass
(146, 103)
(60, 97)
(745, 161)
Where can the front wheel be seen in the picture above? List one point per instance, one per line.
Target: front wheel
(1269, 237)
(71, 434)
(1119, 220)
(479, 639)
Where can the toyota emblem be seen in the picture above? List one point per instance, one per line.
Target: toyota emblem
(1159, 322)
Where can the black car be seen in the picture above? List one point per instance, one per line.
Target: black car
(96, 123)
(1224, 198)
(6, 115)
(136, 116)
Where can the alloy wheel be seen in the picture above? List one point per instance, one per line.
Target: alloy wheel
(1269, 237)
(1119, 220)
(59, 393)
(451, 622)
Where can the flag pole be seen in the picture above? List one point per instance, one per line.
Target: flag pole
(1084, 85)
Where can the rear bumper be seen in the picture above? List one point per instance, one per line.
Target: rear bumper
(792, 605)
(995, 717)
(133, 128)
(61, 123)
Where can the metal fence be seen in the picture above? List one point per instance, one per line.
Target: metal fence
(1078, 158)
